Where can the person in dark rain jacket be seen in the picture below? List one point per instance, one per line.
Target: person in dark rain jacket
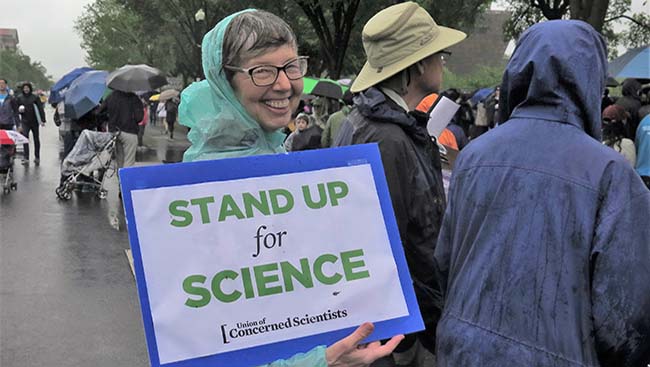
(544, 249)
(631, 101)
(405, 52)
(32, 116)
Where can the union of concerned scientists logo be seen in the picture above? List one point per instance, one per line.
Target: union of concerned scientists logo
(250, 328)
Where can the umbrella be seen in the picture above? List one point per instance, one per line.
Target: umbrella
(11, 137)
(611, 82)
(633, 64)
(480, 95)
(133, 78)
(56, 92)
(323, 88)
(168, 94)
(155, 97)
(85, 93)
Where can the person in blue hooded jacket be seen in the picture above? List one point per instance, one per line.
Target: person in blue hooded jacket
(254, 83)
(544, 250)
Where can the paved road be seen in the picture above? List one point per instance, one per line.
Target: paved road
(67, 294)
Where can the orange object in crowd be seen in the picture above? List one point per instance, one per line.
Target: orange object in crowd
(426, 103)
(446, 137)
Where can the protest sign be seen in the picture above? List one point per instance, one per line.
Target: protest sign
(243, 261)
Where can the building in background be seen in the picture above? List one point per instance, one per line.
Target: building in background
(484, 46)
(8, 39)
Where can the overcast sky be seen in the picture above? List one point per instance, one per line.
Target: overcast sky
(46, 30)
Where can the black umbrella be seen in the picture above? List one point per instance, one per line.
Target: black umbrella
(307, 139)
(327, 89)
(133, 78)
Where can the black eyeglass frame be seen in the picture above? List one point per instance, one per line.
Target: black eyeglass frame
(252, 69)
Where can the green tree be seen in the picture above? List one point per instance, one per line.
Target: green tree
(112, 37)
(603, 15)
(167, 34)
(483, 77)
(16, 66)
(459, 14)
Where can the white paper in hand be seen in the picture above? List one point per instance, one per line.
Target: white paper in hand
(441, 115)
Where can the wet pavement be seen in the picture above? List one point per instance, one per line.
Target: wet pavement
(67, 293)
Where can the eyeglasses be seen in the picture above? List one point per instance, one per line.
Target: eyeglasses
(265, 75)
(444, 56)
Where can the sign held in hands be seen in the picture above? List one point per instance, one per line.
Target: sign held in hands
(243, 261)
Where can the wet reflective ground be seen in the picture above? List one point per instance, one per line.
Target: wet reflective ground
(67, 294)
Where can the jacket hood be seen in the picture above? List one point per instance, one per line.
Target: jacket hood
(220, 126)
(31, 88)
(631, 88)
(557, 73)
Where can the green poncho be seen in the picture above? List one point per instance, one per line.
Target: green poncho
(220, 126)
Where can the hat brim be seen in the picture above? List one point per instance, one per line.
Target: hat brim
(370, 76)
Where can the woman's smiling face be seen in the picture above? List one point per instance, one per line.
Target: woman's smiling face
(270, 106)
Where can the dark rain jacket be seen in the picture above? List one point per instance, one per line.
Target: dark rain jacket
(545, 243)
(412, 166)
(631, 101)
(124, 111)
(32, 105)
(9, 113)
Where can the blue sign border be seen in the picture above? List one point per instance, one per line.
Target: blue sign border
(147, 177)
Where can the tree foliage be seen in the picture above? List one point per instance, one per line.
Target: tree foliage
(459, 14)
(168, 35)
(603, 15)
(113, 36)
(16, 67)
(485, 76)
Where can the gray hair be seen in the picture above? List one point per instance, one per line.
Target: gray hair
(253, 33)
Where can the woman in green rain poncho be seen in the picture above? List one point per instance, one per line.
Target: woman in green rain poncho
(254, 83)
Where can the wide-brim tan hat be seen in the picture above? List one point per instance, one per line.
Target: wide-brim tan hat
(398, 37)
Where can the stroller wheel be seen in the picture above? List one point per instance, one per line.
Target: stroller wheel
(14, 186)
(6, 190)
(62, 193)
(102, 194)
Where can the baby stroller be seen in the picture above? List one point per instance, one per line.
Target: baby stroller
(92, 152)
(7, 154)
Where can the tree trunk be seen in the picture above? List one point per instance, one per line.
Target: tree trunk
(333, 42)
(590, 11)
(552, 9)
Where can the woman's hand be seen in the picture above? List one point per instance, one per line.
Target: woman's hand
(348, 352)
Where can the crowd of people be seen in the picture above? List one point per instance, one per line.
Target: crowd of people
(120, 111)
(538, 254)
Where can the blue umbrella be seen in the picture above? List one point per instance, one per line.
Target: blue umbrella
(55, 92)
(633, 64)
(480, 95)
(85, 93)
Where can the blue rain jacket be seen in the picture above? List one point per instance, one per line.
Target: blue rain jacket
(643, 147)
(221, 128)
(544, 250)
